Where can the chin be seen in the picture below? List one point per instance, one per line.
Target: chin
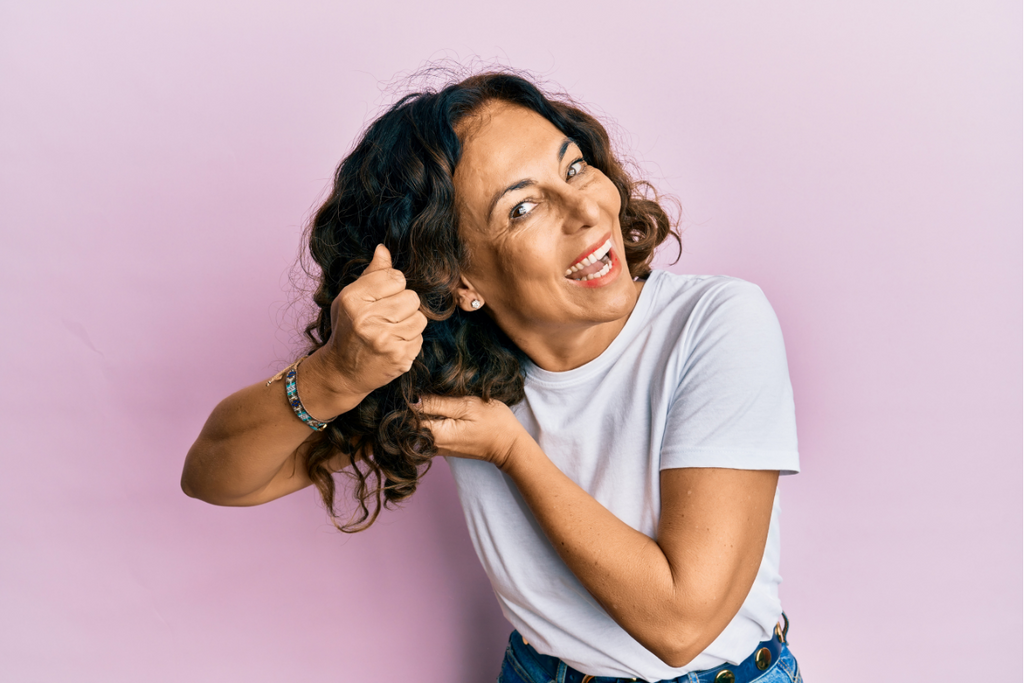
(616, 299)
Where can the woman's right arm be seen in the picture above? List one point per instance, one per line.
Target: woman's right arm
(252, 448)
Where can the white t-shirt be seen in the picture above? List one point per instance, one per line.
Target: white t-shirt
(696, 378)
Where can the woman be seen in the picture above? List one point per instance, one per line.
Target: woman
(615, 434)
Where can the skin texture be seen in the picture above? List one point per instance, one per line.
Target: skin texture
(674, 594)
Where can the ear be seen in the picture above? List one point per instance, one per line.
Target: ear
(466, 293)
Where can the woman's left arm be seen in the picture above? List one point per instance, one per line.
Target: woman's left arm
(675, 594)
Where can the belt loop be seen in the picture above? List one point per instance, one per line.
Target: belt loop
(561, 672)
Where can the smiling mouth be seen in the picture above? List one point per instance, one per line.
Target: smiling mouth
(597, 264)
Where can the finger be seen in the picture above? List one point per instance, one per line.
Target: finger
(439, 430)
(396, 308)
(411, 328)
(379, 284)
(381, 260)
(446, 406)
(435, 425)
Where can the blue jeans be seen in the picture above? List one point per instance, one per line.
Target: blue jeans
(522, 665)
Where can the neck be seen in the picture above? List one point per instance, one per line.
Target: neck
(559, 347)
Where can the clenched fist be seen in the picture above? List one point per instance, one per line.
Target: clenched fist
(376, 327)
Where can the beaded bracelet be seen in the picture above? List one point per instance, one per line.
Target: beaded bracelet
(291, 390)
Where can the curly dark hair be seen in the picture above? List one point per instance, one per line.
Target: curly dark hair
(396, 187)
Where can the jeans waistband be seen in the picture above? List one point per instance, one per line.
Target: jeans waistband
(764, 656)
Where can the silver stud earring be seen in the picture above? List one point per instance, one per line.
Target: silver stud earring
(475, 303)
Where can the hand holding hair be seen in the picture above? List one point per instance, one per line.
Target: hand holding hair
(377, 328)
(469, 427)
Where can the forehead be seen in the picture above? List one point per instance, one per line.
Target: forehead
(496, 125)
(501, 143)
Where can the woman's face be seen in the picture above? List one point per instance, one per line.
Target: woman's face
(542, 229)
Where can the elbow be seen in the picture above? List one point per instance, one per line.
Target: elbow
(676, 652)
(677, 659)
(195, 485)
(188, 486)
(681, 637)
(192, 487)
(192, 490)
(191, 473)
(188, 483)
(685, 635)
(192, 480)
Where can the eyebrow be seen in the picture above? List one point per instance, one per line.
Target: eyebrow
(526, 182)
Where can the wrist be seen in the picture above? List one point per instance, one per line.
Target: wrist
(329, 391)
(512, 454)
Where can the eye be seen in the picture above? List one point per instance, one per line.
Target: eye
(575, 168)
(521, 210)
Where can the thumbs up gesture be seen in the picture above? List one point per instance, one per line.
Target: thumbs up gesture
(376, 327)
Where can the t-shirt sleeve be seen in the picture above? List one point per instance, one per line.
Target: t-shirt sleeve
(733, 402)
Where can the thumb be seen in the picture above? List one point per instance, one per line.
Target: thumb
(381, 260)
(445, 406)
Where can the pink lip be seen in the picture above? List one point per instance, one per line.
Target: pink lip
(590, 250)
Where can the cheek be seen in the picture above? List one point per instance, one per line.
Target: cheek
(524, 259)
(507, 262)
(610, 196)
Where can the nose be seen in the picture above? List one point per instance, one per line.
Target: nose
(581, 210)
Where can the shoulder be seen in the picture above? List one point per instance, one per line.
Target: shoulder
(697, 324)
(732, 404)
(668, 286)
(706, 302)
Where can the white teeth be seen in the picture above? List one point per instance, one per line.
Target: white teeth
(590, 260)
(600, 273)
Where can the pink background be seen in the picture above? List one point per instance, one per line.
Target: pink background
(860, 161)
